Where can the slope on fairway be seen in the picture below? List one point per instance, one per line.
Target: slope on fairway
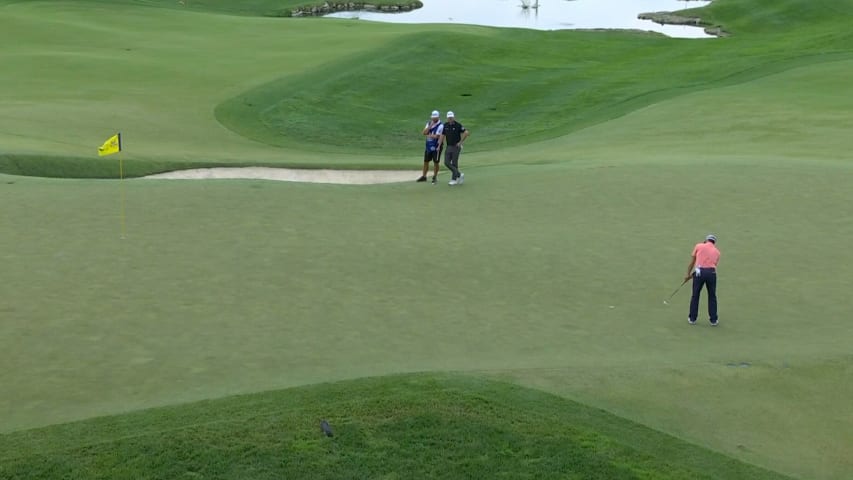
(173, 80)
(516, 87)
(795, 119)
(770, 401)
(421, 426)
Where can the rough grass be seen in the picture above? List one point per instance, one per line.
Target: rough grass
(423, 426)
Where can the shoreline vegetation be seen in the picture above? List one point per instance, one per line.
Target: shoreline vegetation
(325, 8)
(670, 18)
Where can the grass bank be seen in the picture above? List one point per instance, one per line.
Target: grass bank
(421, 426)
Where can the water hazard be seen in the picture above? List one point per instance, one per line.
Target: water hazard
(548, 15)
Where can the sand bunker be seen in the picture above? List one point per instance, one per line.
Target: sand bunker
(342, 177)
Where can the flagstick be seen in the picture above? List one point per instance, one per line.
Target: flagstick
(123, 195)
(111, 146)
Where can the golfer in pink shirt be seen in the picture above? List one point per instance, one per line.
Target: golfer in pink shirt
(703, 269)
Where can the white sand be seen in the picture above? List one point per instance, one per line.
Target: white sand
(342, 177)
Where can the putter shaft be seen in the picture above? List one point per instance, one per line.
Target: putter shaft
(676, 291)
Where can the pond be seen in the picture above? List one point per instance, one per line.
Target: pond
(549, 15)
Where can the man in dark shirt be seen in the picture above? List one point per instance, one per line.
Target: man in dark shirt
(453, 136)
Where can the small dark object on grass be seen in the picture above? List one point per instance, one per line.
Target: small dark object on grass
(324, 426)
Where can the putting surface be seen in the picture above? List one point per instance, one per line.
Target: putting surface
(547, 268)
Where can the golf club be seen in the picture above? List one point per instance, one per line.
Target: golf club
(666, 302)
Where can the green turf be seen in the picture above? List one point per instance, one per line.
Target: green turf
(161, 76)
(83, 71)
(236, 287)
(422, 426)
(269, 8)
(223, 288)
(497, 88)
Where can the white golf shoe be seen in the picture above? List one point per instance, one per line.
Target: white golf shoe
(461, 179)
(452, 183)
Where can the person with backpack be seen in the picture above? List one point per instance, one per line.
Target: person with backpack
(433, 131)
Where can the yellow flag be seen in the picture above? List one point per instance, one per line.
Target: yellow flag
(111, 146)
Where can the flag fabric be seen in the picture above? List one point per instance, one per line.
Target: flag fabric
(111, 146)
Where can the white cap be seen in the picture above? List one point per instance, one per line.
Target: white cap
(435, 114)
(450, 115)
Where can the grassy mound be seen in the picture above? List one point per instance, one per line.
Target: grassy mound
(421, 426)
(516, 87)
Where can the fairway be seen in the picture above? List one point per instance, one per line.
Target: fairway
(596, 161)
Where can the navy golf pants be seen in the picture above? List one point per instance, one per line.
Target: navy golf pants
(707, 277)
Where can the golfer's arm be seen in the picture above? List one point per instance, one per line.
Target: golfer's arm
(441, 139)
(692, 264)
(464, 136)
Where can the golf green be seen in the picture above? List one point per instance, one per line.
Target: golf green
(596, 161)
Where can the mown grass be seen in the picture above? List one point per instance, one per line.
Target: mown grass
(421, 426)
(223, 288)
(778, 18)
(510, 96)
(77, 167)
(302, 98)
(273, 8)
